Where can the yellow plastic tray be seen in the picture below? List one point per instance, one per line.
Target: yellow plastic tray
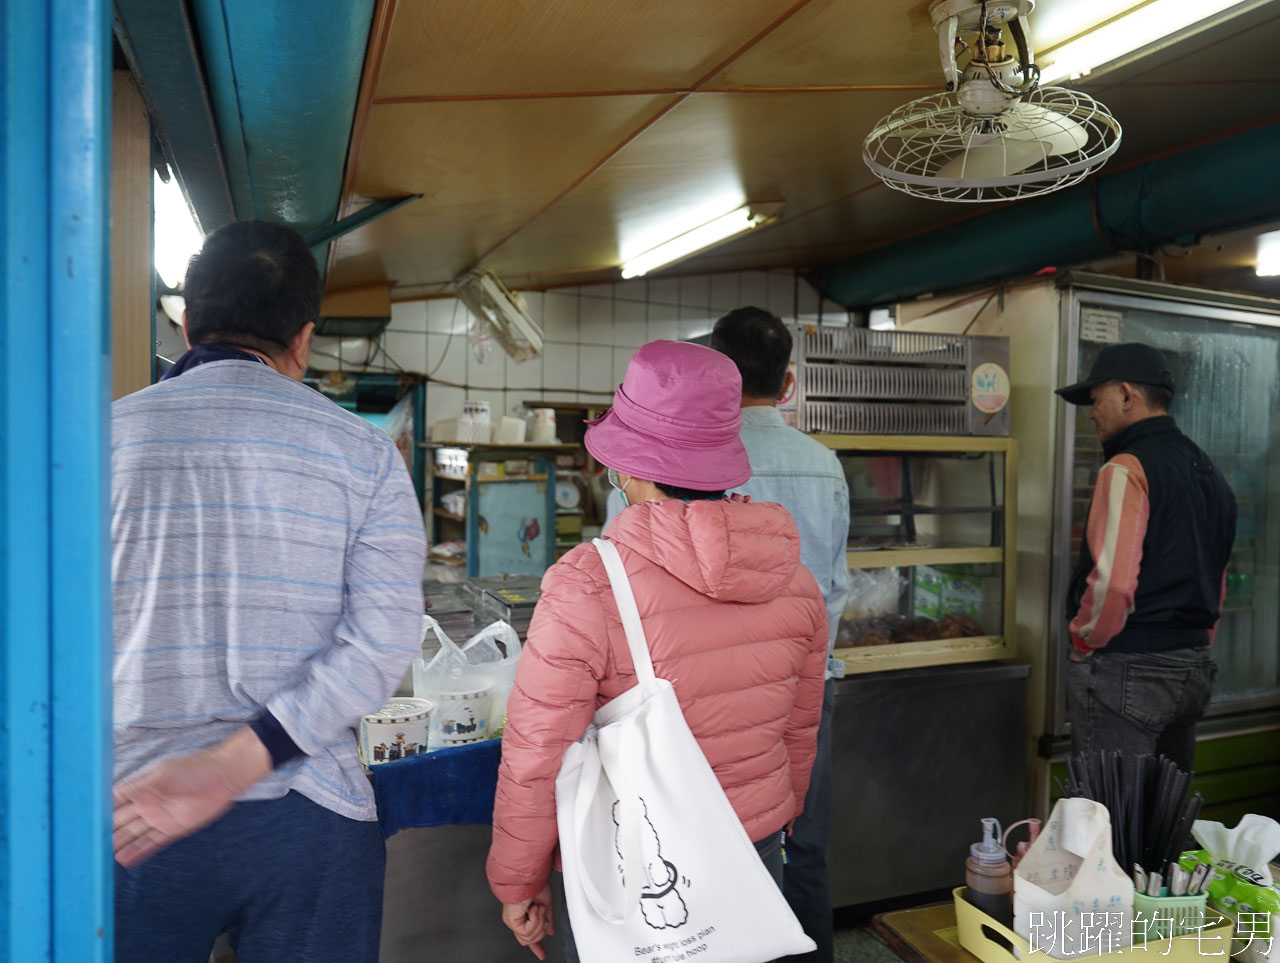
(993, 942)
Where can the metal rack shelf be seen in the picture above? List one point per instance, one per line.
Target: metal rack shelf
(903, 557)
(904, 508)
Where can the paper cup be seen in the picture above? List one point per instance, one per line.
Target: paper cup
(396, 731)
(460, 717)
(543, 429)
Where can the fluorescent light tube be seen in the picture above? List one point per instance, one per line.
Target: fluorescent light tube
(1268, 265)
(684, 245)
(1126, 34)
(176, 236)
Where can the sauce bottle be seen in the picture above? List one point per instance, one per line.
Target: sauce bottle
(988, 875)
(1033, 833)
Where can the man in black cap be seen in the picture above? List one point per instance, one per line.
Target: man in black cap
(1146, 596)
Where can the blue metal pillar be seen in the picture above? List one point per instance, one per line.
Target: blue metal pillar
(55, 647)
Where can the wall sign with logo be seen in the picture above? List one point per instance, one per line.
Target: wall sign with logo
(990, 385)
(989, 388)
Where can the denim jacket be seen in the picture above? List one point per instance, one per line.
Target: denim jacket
(805, 477)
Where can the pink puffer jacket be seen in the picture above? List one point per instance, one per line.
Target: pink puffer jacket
(732, 619)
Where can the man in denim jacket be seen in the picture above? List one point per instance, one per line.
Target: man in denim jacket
(805, 477)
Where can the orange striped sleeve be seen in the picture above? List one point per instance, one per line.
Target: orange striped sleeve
(1117, 526)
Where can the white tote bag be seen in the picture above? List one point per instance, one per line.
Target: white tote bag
(657, 867)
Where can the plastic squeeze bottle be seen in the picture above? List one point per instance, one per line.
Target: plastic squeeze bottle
(988, 875)
(1033, 833)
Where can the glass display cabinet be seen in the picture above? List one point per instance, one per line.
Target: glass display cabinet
(931, 550)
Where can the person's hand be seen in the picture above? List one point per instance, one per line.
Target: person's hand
(531, 920)
(180, 796)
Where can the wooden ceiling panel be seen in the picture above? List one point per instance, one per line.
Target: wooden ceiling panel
(552, 190)
(712, 151)
(863, 220)
(838, 42)
(487, 47)
(1157, 120)
(482, 168)
(835, 42)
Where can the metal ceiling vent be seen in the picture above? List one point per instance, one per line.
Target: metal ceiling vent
(995, 134)
(500, 312)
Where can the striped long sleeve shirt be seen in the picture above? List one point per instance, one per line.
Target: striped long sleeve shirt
(267, 555)
(1117, 527)
(1117, 531)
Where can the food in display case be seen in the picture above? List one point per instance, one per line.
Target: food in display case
(920, 603)
(894, 629)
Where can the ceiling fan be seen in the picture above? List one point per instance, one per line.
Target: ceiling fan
(995, 133)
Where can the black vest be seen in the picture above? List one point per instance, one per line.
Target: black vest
(1190, 531)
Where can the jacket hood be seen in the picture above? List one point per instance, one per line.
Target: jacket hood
(731, 550)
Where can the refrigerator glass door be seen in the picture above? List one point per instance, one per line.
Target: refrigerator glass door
(1228, 402)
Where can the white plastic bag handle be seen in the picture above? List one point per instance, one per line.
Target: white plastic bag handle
(431, 625)
(497, 631)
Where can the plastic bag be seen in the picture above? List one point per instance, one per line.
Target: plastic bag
(873, 592)
(483, 652)
(1242, 889)
(1070, 896)
(461, 691)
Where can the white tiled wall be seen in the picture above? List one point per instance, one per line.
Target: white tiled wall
(591, 333)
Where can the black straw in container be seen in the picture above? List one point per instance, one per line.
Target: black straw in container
(1151, 816)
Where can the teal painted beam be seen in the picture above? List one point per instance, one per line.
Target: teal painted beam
(360, 218)
(55, 617)
(284, 77)
(81, 645)
(1225, 185)
(159, 43)
(26, 911)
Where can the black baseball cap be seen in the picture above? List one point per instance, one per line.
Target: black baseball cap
(1135, 363)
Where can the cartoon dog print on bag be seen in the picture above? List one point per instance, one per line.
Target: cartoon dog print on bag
(660, 902)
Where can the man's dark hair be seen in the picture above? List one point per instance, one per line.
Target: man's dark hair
(1158, 397)
(688, 494)
(759, 344)
(254, 284)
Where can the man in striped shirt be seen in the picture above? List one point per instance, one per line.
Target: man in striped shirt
(1146, 596)
(267, 562)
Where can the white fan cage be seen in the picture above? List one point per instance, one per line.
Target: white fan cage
(910, 147)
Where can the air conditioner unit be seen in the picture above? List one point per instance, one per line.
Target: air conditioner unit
(501, 312)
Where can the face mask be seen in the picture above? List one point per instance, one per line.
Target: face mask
(616, 481)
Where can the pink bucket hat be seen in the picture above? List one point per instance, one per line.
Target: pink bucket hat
(675, 419)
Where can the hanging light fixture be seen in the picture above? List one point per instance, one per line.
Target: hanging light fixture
(1129, 33)
(1268, 265)
(688, 243)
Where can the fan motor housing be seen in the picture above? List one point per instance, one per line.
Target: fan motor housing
(979, 96)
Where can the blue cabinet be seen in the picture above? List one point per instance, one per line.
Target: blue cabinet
(501, 501)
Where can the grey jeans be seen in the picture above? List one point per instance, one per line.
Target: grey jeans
(1143, 703)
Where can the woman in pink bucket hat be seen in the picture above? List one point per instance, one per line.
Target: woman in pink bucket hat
(729, 613)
